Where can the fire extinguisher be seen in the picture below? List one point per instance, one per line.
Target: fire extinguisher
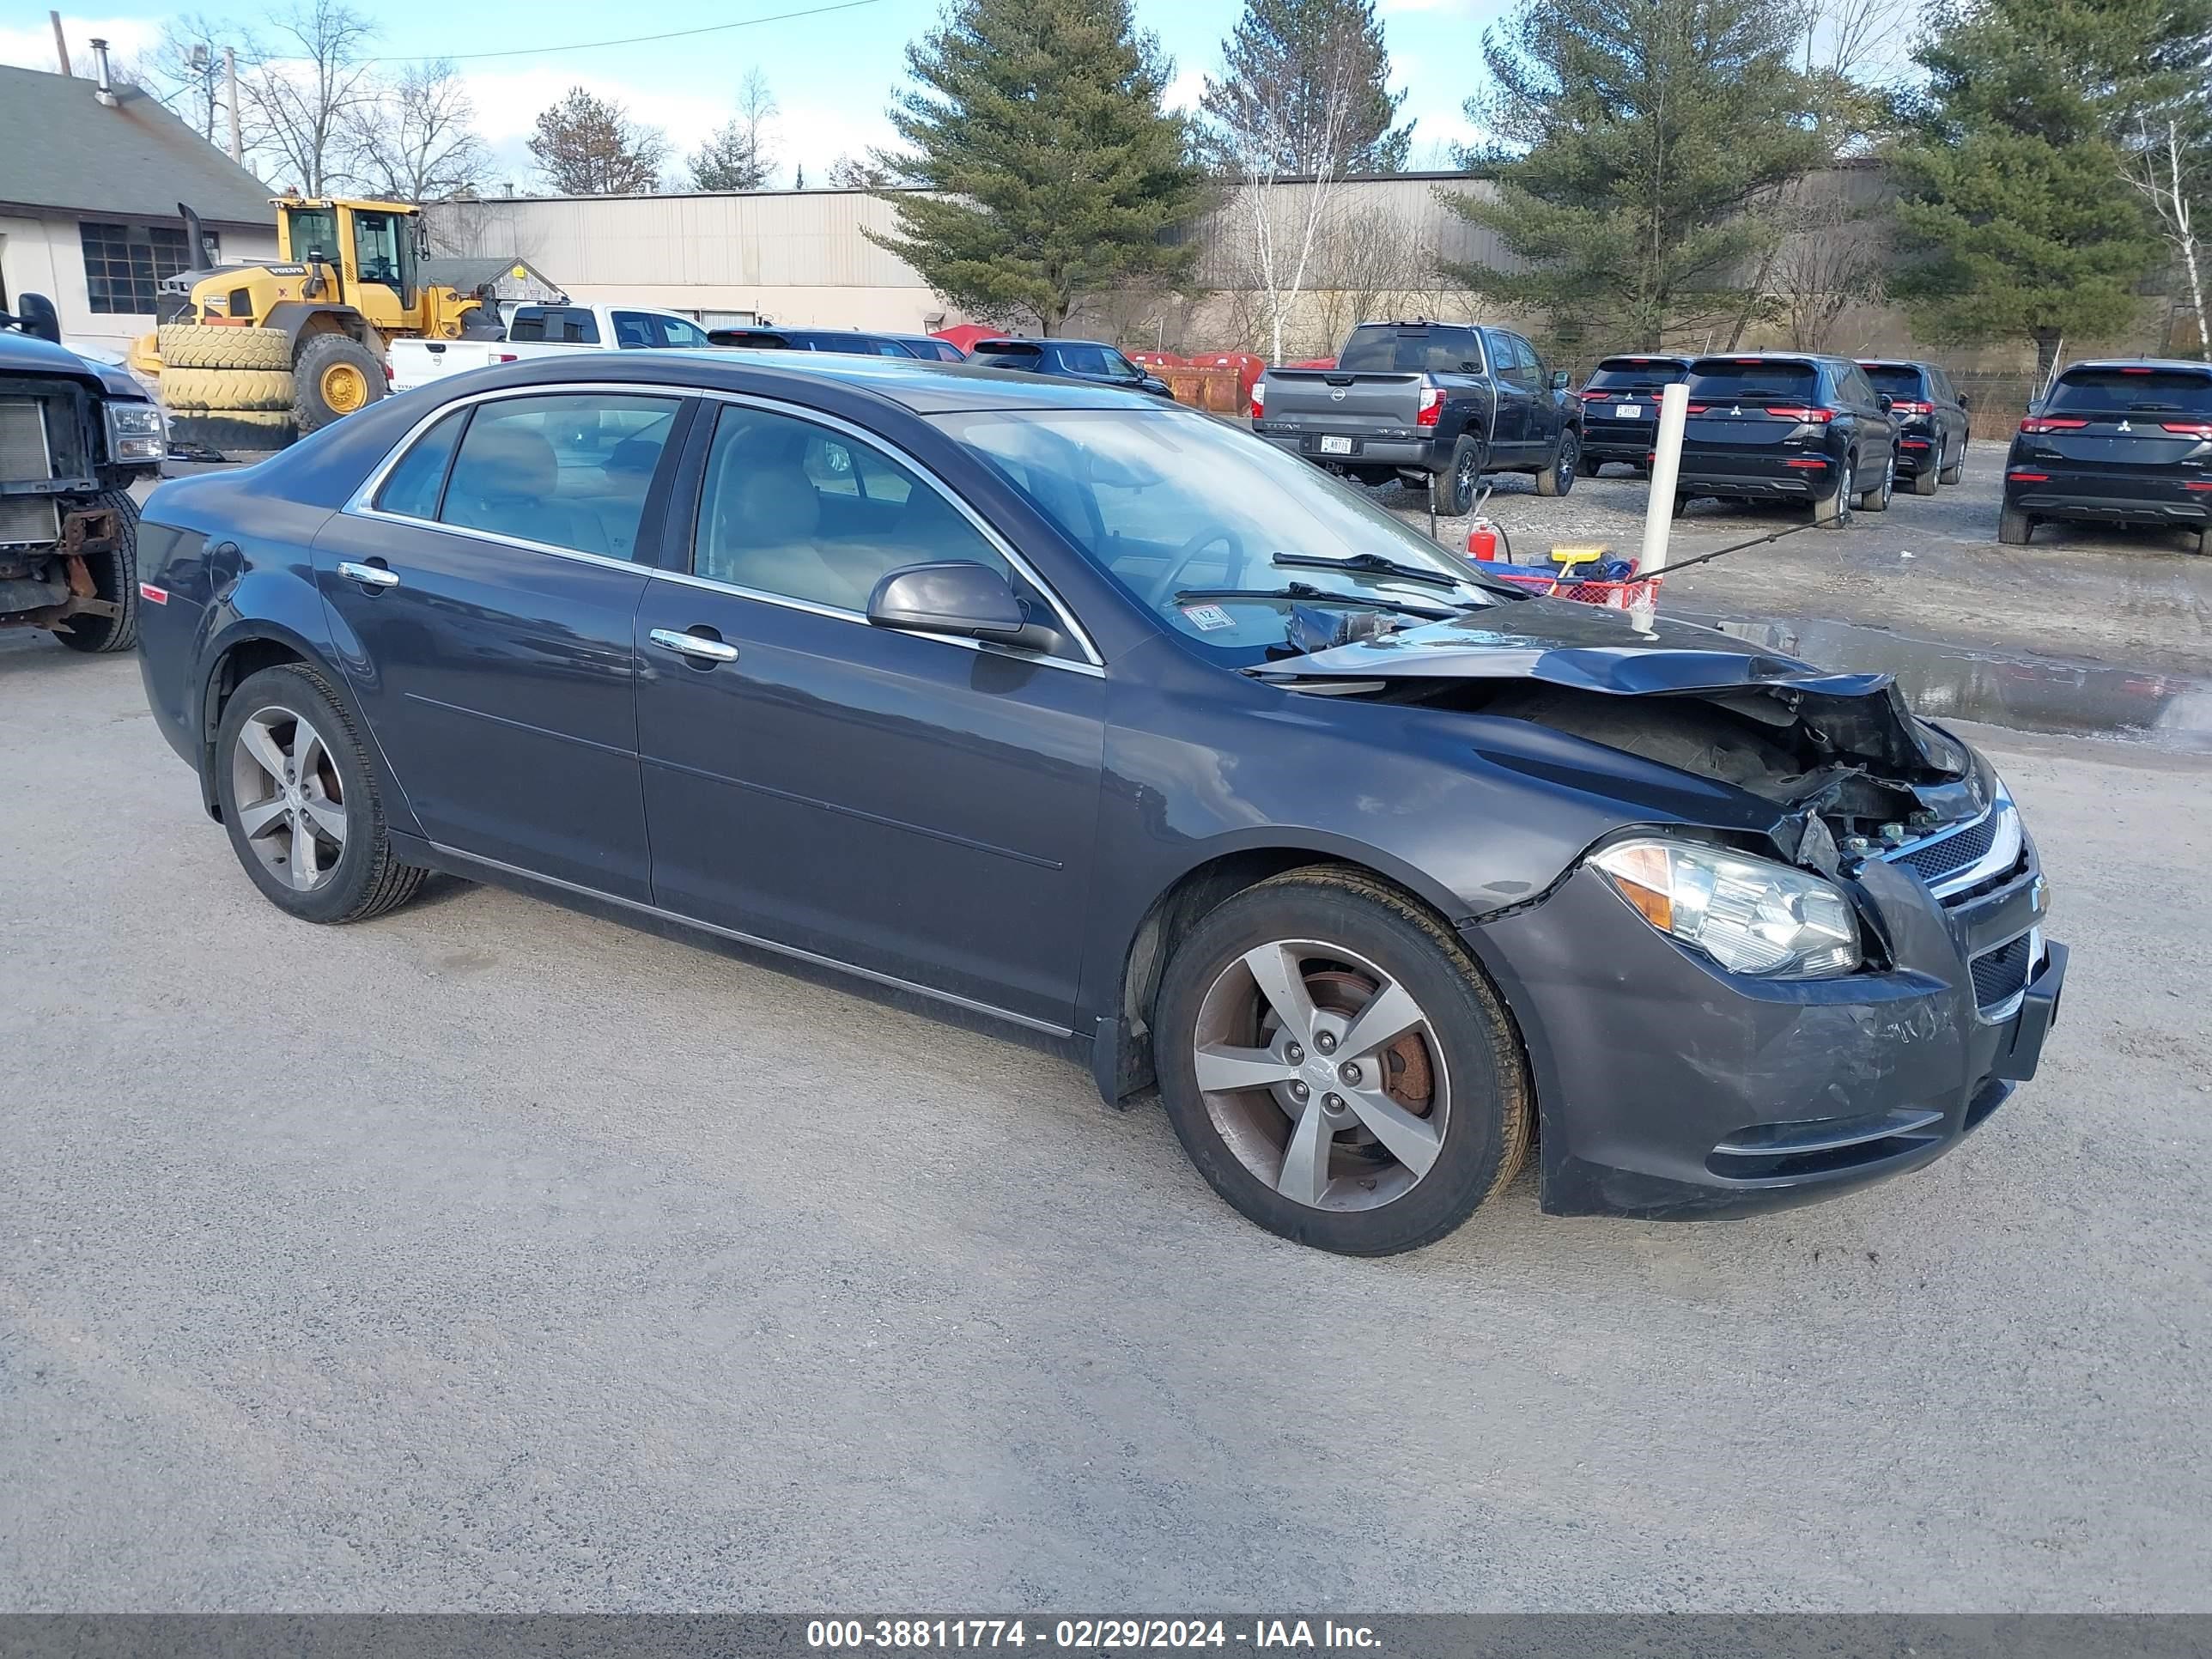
(1485, 539)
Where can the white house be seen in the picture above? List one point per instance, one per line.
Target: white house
(90, 185)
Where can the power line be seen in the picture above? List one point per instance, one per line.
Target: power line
(628, 40)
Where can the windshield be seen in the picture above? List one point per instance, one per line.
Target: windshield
(1410, 351)
(2153, 390)
(1636, 373)
(1899, 379)
(1221, 535)
(1753, 381)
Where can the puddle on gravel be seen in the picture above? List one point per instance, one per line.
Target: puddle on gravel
(1997, 687)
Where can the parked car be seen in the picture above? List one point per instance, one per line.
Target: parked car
(851, 341)
(1620, 409)
(1423, 401)
(929, 348)
(1932, 416)
(1070, 360)
(74, 435)
(1781, 426)
(536, 331)
(1102, 717)
(2116, 443)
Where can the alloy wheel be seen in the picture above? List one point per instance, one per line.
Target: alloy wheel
(1321, 1074)
(1844, 480)
(291, 804)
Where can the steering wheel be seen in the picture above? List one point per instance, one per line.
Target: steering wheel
(1165, 587)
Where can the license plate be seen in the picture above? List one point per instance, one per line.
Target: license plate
(1627, 412)
(1336, 445)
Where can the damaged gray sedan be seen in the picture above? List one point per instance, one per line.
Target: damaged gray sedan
(1096, 716)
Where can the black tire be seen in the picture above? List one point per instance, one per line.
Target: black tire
(1681, 505)
(1455, 489)
(321, 359)
(368, 878)
(234, 430)
(1835, 511)
(194, 345)
(2014, 526)
(1956, 472)
(114, 579)
(1877, 499)
(1489, 1098)
(1924, 482)
(1590, 468)
(2200, 541)
(1559, 477)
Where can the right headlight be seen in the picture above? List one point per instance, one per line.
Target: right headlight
(1751, 915)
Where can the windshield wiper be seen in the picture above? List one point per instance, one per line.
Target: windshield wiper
(1307, 591)
(1375, 564)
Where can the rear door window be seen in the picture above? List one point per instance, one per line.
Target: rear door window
(2131, 390)
(635, 331)
(569, 471)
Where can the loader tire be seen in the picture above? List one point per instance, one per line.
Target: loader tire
(233, 430)
(227, 388)
(195, 345)
(336, 376)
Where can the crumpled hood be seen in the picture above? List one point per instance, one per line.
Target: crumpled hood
(1564, 643)
(26, 354)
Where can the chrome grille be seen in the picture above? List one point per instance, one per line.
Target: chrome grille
(1932, 860)
(28, 521)
(24, 457)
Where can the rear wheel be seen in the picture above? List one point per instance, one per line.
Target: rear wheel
(1956, 472)
(114, 581)
(302, 803)
(1589, 466)
(335, 376)
(1559, 477)
(1924, 482)
(1337, 1067)
(1462, 478)
(1835, 511)
(2014, 526)
(2200, 541)
(1877, 499)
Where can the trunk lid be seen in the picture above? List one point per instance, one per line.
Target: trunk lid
(1336, 400)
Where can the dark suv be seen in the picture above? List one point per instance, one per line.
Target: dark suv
(2116, 443)
(1931, 422)
(1620, 409)
(1781, 426)
(1070, 360)
(852, 341)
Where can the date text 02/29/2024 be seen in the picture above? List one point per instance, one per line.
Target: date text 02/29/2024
(1086, 1634)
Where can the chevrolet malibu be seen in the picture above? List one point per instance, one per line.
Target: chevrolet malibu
(1095, 715)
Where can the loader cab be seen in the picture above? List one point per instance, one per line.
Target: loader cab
(372, 251)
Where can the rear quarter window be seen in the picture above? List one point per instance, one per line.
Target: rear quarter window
(412, 488)
(2148, 391)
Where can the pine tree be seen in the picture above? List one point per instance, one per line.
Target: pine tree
(1307, 84)
(1630, 136)
(737, 155)
(588, 146)
(2012, 221)
(1038, 126)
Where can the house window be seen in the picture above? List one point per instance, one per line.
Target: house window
(124, 264)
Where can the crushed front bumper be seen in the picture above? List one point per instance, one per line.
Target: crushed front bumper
(1670, 1088)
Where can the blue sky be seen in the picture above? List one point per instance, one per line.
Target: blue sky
(832, 75)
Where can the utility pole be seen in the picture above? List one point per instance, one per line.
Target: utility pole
(230, 84)
(61, 43)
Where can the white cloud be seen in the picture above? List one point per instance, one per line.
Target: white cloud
(31, 46)
(1184, 92)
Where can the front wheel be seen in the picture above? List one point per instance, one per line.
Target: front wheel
(335, 376)
(300, 802)
(1559, 477)
(114, 576)
(1461, 478)
(1338, 1067)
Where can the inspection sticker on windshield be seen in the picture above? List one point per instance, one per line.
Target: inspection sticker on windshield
(1208, 618)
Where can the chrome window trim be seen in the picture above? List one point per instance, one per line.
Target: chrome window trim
(759, 942)
(361, 505)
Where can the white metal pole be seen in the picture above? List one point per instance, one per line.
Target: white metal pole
(1666, 467)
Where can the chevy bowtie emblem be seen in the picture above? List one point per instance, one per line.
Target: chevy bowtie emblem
(2124, 426)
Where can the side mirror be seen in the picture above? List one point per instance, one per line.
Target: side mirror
(954, 596)
(1887, 402)
(39, 318)
(1559, 380)
(1965, 402)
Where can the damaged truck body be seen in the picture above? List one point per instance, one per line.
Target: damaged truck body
(1093, 715)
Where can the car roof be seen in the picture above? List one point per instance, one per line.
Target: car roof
(2185, 364)
(1643, 357)
(920, 385)
(1893, 363)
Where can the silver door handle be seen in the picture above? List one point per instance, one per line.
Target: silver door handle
(374, 574)
(690, 644)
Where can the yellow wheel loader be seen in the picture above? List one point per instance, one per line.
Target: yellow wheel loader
(248, 356)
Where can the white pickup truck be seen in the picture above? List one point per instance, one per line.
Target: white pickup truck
(541, 331)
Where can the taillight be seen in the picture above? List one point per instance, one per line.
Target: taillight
(2036, 423)
(1911, 406)
(1433, 406)
(2029, 477)
(2190, 429)
(505, 357)
(1695, 409)
(1803, 412)
(1595, 397)
(1259, 399)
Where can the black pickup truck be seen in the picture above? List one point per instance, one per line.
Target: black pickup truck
(73, 434)
(1424, 401)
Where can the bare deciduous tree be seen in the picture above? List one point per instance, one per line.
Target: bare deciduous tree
(416, 140)
(588, 146)
(2158, 167)
(302, 91)
(1375, 263)
(1830, 257)
(185, 70)
(739, 155)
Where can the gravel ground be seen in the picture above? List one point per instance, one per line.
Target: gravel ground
(2075, 591)
(492, 1256)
